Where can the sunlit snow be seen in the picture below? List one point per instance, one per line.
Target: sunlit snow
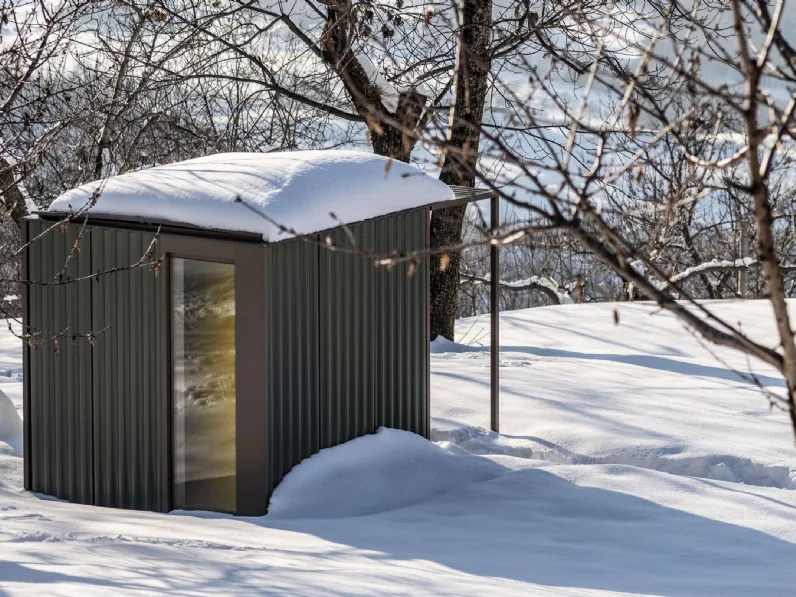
(299, 192)
(632, 461)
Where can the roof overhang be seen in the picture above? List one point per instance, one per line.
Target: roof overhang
(461, 196)
(465, 195)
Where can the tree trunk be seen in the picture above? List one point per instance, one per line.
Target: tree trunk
(13, 201)
(461, 159)
(764, 220)
(772, 274)
(395, 135)
(446, 229)
(392, 134)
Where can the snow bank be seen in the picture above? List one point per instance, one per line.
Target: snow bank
(298, 190)
(374, 473)
(441, 345)
(10, 423)
(620, 383)
(717, 467)
(560, 516)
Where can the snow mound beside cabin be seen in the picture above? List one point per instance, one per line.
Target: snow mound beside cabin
(10, 423)
(375, 473)
(296, 190)
(441, 345)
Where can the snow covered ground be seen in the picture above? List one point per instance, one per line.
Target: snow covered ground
(632, 462)
(578, 388)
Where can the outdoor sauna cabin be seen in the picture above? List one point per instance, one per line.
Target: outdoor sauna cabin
(197, 329)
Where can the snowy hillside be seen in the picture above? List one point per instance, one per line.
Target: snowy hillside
(632, 462)
(578, 388)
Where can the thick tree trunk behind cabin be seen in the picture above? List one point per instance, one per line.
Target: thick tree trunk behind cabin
(395, 135)
(461, 157)
(446, 230)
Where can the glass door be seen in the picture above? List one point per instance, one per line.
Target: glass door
(203, 361)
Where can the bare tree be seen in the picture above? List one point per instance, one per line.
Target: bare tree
(414, 75)
(660, 97)
(636, 147)
(470, 88)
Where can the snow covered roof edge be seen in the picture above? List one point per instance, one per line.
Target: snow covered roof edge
(261, 193)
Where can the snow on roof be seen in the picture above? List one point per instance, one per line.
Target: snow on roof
(299, 190)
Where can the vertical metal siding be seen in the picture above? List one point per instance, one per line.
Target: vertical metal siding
(348, 350)
(128, 438)
(80, 369)
(25, 275)
(93, 407)
(58, 410)
(293, 366)
(401, 342)
(348, 343)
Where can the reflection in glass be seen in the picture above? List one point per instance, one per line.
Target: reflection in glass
(203, 344)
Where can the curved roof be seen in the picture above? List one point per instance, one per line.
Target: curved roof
(262, 192)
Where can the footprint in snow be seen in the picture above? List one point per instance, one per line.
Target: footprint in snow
(24, 517)
(516, 363)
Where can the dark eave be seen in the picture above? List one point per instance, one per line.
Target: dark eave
(465, 195)
(152, 224)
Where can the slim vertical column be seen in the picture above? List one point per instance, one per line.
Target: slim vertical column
(743, 273)
(26, 376)
(494, 302)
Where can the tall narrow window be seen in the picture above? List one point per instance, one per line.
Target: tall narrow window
(203, 344)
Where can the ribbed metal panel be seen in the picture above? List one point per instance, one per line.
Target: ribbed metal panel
(80, 368)
(293, 366)
(92, 406)
(348, 350)
(401, 341)
(59, 398)
(347, 342)
(127, 406)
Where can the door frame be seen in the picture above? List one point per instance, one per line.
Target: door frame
(251, 416)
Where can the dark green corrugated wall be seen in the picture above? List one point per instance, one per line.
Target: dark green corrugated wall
(349, 316)
(60, 449)
(402, 395)
(94, 409)
(347, 342)
(292, 291)
(347, 352)
(128, 441)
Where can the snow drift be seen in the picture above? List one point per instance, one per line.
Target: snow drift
(441, 345)
(619, 383)
(297, 190)
(10, 423)
(375, 473)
